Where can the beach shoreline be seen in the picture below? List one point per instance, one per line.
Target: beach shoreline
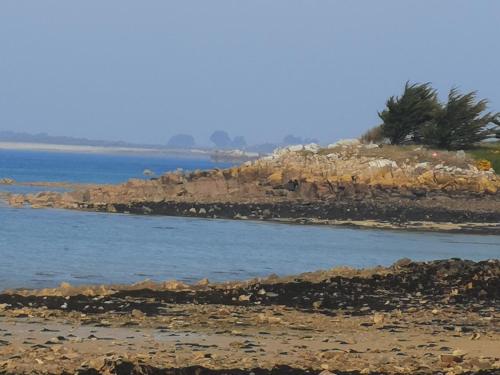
(113, 150)
(356, 186)
(412, 317)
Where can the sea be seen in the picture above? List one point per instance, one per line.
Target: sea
(44, 247)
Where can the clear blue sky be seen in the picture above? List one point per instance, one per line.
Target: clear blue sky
(144, 70)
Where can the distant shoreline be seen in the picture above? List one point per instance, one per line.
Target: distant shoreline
(47, 147)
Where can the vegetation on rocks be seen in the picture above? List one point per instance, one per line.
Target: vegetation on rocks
(373, 135)
(489, 152)
(345, 182)
(418, 117)
(406, 116)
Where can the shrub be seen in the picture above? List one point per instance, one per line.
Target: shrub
(373, 135)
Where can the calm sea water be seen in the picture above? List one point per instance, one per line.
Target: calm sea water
(42, 248)
(26, 166)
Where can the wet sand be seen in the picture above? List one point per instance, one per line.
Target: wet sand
(410, 318)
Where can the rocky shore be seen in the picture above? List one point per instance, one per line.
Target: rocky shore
(428, 318)
(347, 183)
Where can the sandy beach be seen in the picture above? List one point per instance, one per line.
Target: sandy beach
(98, 149)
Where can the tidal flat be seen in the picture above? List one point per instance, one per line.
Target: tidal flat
(413, 317)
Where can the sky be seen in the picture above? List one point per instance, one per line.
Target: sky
(142, 71)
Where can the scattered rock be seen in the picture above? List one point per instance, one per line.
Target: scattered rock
(7, 181)
(450, 359)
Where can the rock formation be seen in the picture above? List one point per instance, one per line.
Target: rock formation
(346, 173)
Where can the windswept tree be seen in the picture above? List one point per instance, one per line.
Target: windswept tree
(461, 122)
(406, 115)
(418, 117)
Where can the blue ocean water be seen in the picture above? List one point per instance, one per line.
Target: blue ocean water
(42, 248)
(28, 166)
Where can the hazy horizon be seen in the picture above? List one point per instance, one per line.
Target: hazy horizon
(142, 72)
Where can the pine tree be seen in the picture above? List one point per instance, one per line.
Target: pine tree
(405, 116)
(460, 123)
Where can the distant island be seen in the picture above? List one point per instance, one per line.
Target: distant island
(44, 138)
(43, 142)
(224, 147)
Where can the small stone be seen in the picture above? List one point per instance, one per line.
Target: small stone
(203, 282)
(378, 318)
(174, 285)
(317, 304)
(202, 355)
(450, 359)
(266, 212)
(97, 363)
(138, 314)
(481, 363)
(475, 336)
(405, 262)
(459, 353)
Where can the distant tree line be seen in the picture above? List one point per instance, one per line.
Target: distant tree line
(418, 117)
(219, 138)
(181, 141)
(222, 140)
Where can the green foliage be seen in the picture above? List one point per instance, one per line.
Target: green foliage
(459, 124)
(418, 117)
(406, 115)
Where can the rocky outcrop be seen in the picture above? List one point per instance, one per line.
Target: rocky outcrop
(365, 180)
